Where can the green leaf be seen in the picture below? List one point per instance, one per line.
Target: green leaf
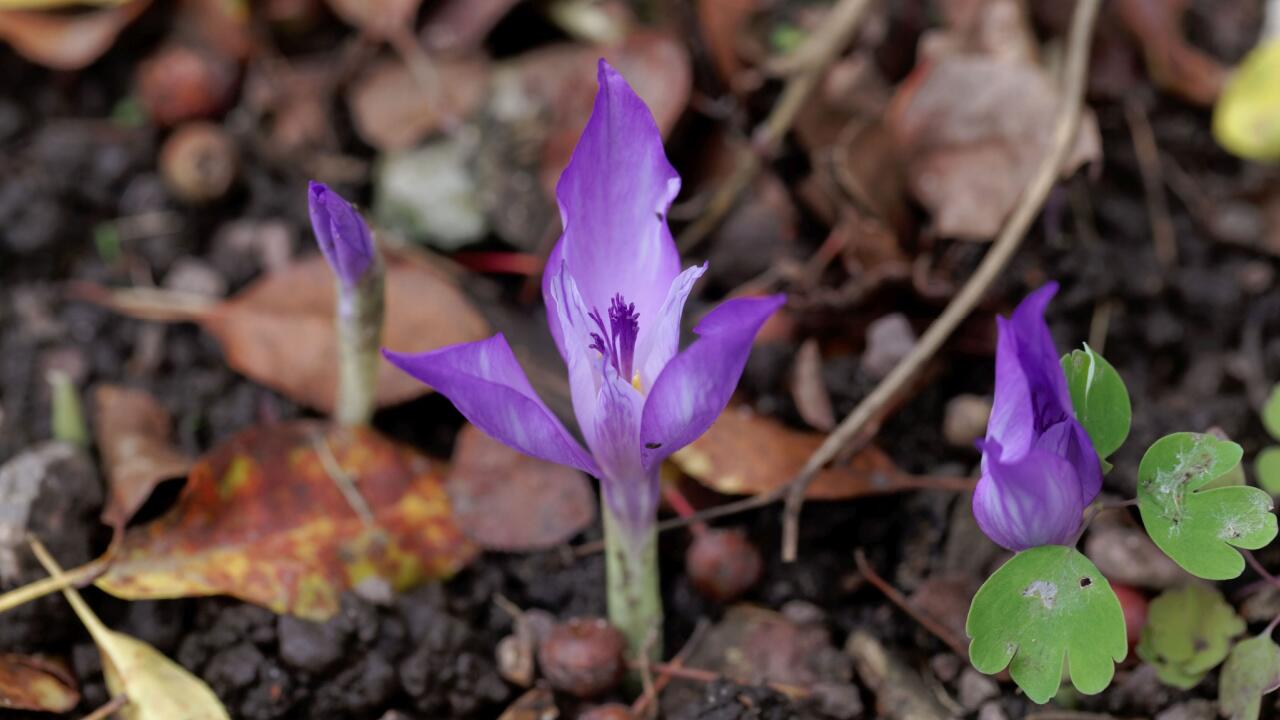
(1188, 632)
(1194, 526)
(1099, 397)
(1252, 670)
(1267, 466)
(1045, 605)
(1271, 413)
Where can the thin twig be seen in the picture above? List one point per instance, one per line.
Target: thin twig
(1148, 155)
(894, 596)
(1095, 511)
(794, 692)
(343, 480)
(38, 589)
(816, 54)
(641, 705)
(112, 706)
(1002, 250)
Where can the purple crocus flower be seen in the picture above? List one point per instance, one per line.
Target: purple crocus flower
(341, 233)
(614, 294)
(1039, 468)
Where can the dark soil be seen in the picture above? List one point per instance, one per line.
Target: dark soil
(1195, 344)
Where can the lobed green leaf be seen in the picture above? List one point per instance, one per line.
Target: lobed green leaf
(1099, 398)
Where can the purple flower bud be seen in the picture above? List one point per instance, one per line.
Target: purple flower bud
(341, 233)
(1039, 468)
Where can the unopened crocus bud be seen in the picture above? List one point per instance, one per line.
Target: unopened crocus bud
(348, 246)
(341, 233)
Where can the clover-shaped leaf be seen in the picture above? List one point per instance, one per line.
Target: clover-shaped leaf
(1099, 398)
(1271, 413)
(1251, 671)
(1045, 606)
(1194, 526)
(1267, 468)
(1188, 632)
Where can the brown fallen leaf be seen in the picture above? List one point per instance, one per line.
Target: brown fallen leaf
(67, 40)
(459, 27)
(36, 683)
(279, 331)
(391, 112)
(721, 24)
(1173, 64)
(808, 390)
(132, 431)
(538, 703)
(289, 516)
(972, 131)
(747, 454)
(378, 19)
(505, 500)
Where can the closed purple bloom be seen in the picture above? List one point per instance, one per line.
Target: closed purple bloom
(341, 233)
(1039, 468)
(615, 294)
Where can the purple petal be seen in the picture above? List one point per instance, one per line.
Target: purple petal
(660, 338)
(1068, 439)
(341, 233)
(486, 384)
(1030, 501)
(1036, 351)
(697, 384)
(567, 316)
(614, 197)
(614, 438)
(1012, 421)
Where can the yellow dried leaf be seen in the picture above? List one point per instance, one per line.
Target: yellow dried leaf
(1246, 120)
(157, 687)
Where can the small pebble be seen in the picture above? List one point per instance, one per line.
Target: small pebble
(965, 420)
(889, 339)
(199, 162)
(976, 689)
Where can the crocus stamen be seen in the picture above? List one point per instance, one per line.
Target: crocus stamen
(624, 326)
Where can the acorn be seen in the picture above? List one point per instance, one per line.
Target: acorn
(722, 564)
(583, 657)
(610, 711)
(180, 82)
(199, 162)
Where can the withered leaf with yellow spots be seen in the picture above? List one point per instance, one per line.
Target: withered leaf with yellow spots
(280, 516)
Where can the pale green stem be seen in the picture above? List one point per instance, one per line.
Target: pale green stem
(631, 568)
(68, 416)
(359, 325)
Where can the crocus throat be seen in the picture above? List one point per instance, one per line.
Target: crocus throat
(617, 343)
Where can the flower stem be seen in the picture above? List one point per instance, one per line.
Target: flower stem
(631, 567)
(359, 327)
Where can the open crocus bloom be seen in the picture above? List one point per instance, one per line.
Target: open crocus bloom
(615, 294)
(1039, 468)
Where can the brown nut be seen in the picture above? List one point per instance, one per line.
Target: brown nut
(199, 162)
(583, 656)
(722, 564)
(611, 711)
(179, 83)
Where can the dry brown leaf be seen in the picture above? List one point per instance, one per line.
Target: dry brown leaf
(460, 26)
(67, 40)
(132, 431)
(973, 130)
(280, 332)
(157, 687)
(391, 112)
(721, 22)
(289, 516)
(377, 18)
(1174, 65)
(536, 704)
(748, 454)
(505, 500)
(36, 683)
(808, 389)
